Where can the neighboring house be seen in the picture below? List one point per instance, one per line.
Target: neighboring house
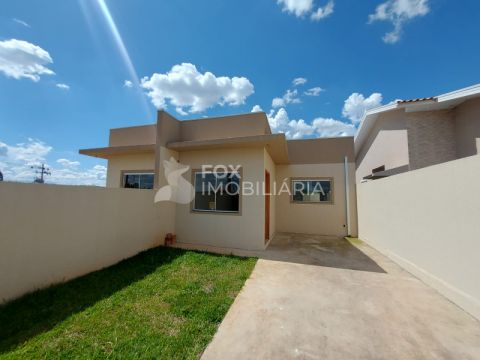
(412, 134)
(136, 158)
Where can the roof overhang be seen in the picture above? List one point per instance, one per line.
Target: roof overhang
(107, 152)
(441, 102)
(275, 144)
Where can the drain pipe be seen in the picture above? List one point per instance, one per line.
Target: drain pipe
(347, 195)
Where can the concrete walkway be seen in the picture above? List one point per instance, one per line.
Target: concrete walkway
(314, 297)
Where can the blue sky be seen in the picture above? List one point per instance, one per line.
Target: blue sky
(63, 69)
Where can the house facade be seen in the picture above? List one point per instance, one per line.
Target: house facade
(413, 134)
(300, 186)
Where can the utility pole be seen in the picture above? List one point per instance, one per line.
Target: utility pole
(42, 170)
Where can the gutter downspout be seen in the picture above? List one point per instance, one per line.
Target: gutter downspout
(347, 195)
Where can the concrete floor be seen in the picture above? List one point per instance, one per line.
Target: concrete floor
(313, 297)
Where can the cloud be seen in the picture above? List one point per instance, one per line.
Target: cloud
(63, 86)
(190, 91)
(297, 7)
(290, 97)
(398, 12)
(21, 59)
(128, 84)
(21, 22)
(323, 12)
(67, 163)
(16, 161)
(301, 8)
(256, 108)
(299, 81)
(328, 127)
(356, 105)
(315, 91)
(296, 129)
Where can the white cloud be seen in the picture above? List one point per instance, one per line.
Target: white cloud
(290, 97)
(301, 8)
(21, 59)
(297, 7)
(299, 81)
(331, 127)
(68, 163)
(21, 22)
(128, 84)
(356, 105)
(191, 91)
(256, 108)
(315, 91)
(297, 129)
(16, 161)
(398, 12)
(63, 86)
(323, 12)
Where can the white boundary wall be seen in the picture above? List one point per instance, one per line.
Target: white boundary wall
(428, 221)
(53, 233)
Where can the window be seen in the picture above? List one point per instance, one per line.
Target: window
(312, 190)
(217, 192)
(133, 180)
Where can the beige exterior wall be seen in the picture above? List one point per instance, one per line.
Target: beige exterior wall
(431, 138)
(427, 220)
(244, 230)
(271, 168)
(467, 128)
(135, 135)
(117, 164)
(53, 233)
(325, 219)
(386, 145)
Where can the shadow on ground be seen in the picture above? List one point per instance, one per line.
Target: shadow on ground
(319, 250)
(40, 311)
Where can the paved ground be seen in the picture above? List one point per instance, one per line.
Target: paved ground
(315, 297)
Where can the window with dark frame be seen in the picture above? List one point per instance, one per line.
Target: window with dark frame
(132, 180)
(318, 190)
(217, 192)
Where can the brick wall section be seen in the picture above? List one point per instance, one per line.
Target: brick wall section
(431, 138)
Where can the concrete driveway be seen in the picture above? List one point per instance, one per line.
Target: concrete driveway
(313, 297)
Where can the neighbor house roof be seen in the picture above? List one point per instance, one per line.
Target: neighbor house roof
(440, 102)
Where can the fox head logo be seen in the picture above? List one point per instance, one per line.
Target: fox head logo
(178, 189)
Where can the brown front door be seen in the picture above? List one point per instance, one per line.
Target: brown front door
(267, 206)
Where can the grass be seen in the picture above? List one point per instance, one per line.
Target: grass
(163, 303)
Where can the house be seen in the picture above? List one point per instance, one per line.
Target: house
(413, 134)
(311, 181)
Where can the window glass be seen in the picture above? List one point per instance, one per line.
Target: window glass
(138, 181)
(315, 190)
(204, 192)
(217, 192)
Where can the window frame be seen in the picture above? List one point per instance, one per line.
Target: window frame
(221, 212)
(319, 178)
(123, 173)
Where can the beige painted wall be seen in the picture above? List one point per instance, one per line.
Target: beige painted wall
(386, 145)
(135, 135)
(427, 220)
(271, 168)
(117, 164)
(325, 219)
(245, 230)
(53, 233)
(467, 128)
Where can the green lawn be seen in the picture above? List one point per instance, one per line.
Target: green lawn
(163, 303)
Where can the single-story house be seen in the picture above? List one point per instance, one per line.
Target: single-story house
(413, 134)
(311, 181)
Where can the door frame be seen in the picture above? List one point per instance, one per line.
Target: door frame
(267, 205)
